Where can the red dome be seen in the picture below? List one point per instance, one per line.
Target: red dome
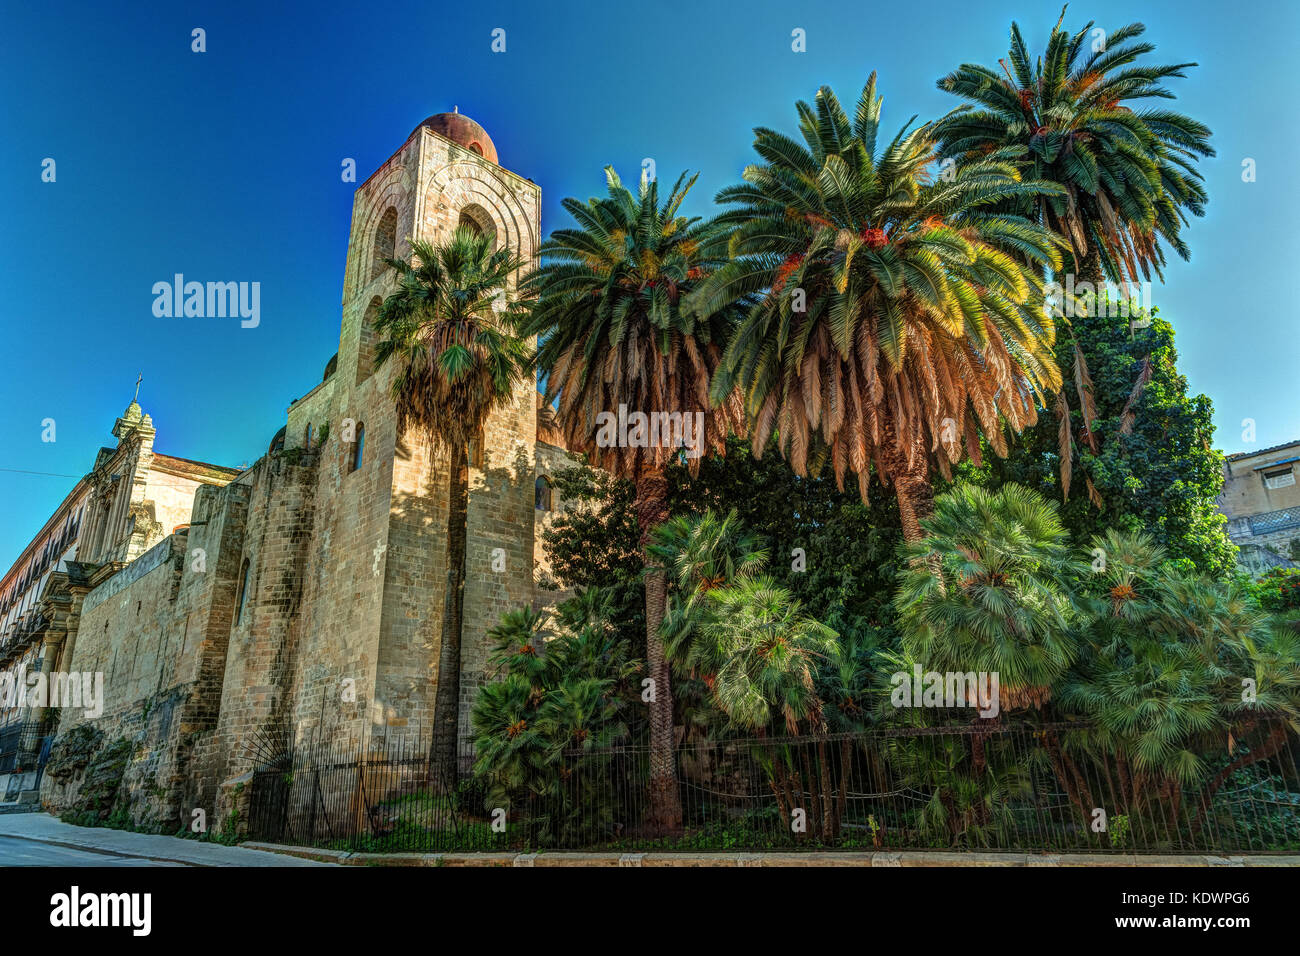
(463, 130)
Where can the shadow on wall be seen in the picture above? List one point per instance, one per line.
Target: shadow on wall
(499, 577)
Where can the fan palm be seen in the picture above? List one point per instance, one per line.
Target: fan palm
(699, 553)
(456, 360)
(1161, 667)
(893, 318)
(987, 591)
(762, 653)
(545, 726)
(1129, 175)
(614, 338)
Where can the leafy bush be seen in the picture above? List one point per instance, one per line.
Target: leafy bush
(1279, 589)
(544, 727)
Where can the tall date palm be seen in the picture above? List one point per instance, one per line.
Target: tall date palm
(1129, 174)
(614, 341)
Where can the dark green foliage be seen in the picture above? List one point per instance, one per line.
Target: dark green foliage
(1161, 478)
(593, 544)
(849, 548)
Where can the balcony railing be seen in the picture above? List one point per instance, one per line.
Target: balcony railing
(1271, 521)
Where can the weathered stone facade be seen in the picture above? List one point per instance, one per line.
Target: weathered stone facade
(1261, 499)
(132, 498)
(303, 603)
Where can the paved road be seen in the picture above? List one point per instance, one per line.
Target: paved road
(16, 852)
(38, 839)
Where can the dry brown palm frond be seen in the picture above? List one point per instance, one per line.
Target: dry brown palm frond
(764, 423)
(857, 433)
(811, 387)
(834, 385)
(1128, 417)
(972, 438)
(1087, 405)
(1065, 443)
(1094, 495)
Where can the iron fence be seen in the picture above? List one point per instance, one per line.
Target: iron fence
(24, 745)
(1041, 787)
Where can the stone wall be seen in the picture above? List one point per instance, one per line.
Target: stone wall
(267, 559)
(129, 635)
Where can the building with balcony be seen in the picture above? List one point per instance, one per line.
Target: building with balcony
(1261, 498)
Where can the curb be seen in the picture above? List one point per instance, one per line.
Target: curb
(881, 858)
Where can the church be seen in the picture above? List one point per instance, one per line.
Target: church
(299, 601)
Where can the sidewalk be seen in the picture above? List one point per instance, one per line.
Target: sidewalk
(43, 828)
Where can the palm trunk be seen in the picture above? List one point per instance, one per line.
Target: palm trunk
(1090, 270)
(665, 813)
(911, 480)
(1267, 748)
(915, 496)
(829, 825)
(446, 711)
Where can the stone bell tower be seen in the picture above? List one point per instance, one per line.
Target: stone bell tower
(372, 609)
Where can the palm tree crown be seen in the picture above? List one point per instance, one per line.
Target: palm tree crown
(700, 553)
(888, 304)
(1129, 174)
(611, 328)
(987, 590)
(761, 652)
(446, 326)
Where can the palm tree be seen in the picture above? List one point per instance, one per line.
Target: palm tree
(761, 654)
(615, 341)
(699, 553)
(545, 727)
(1129, 175)
(1160, 674)
(987, 591)
(894, 318)
(456, 362)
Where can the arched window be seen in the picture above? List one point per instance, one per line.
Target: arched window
(475, 218)
(306, 438)
(243, 593)
(359, 447)
(467, 222)
(366, 346)
(385, 241)
(542, 493)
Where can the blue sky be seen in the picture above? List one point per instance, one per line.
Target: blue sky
(225, 165)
